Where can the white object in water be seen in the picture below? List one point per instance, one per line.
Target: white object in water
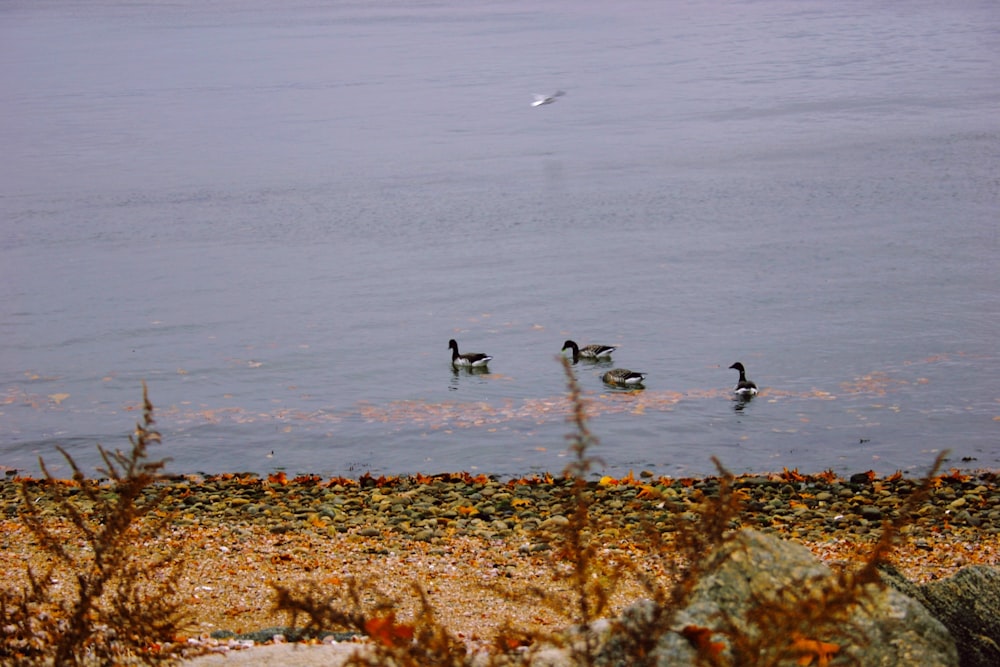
(547, 99)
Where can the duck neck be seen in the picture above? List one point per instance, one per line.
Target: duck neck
(575, 349)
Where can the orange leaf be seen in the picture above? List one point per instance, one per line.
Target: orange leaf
(307, 479)
(792, 475)
(955, 475)
(812, 649)
(385, 630)
(827, 476)
(512, 643)
(701, 639)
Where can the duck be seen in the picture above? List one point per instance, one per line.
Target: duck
(471, 359)
(623, 377)
(744, 387)
(589, 351)
(547, 99)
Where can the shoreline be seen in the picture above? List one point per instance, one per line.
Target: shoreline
(461, 536)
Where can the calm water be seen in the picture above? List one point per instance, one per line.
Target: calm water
(278, 214)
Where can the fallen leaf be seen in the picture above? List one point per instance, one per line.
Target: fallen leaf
(701, 639)
(812, 649)
(792, 475)
(385, 630)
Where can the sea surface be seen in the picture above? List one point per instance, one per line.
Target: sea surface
(276, 215)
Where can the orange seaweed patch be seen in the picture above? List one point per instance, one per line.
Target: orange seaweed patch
(878, 384)
(792, 475)
(635, 402)
(935, 359)
(58, 398)
(821, 395)
(954, 475)
(707, 393)
(491, 415)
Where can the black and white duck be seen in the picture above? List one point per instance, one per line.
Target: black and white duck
(470, 359)
(744, 387)
(589, 351)
(623, 377)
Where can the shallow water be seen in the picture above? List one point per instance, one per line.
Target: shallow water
(277, 217)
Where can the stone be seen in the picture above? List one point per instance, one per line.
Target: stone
(968, 604)
(871, 513)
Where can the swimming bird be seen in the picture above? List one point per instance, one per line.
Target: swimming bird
(624, 377)
(589, 351)
(472, 359)
(547, 99)
(744, 387)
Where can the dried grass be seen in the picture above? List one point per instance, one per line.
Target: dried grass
(122, 605)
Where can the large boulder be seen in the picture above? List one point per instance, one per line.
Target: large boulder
(763, 600)
(968, 604)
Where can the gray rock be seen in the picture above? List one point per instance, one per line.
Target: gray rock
(757, 591)
(891, 576)
(968, 604)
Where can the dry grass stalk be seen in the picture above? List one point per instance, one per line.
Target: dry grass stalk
(122, 605)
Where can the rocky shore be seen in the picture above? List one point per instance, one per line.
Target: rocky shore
(459, 535)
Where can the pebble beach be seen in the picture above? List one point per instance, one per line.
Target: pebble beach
(461, 537)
